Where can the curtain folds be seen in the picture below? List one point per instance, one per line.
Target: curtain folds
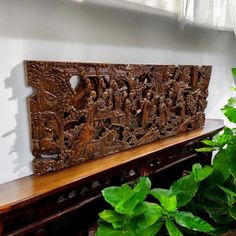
(216, 14)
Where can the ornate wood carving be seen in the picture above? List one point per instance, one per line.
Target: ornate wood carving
(112, 108)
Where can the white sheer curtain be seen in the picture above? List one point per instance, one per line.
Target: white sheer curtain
(217, 14)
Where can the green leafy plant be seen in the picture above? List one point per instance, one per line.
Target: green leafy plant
(132, 215)
(207, 192)
(216, 196)
(233, 72)
(178, 196)
(215, 200)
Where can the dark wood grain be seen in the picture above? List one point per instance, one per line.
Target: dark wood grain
(113, 107)
(68, 202)
(39, 224)
(1, 227)
(28, 189)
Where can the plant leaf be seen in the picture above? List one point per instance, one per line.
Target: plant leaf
(232, 101)
(127, 206)
(227, 191)
(223, 137)
(167, 200)
(124, 199)
(208, 142)
(233, 71)
(221, 168)
(188, 220)
(222, 219)
(231, 159)
(229, 112)
(215, 195)
(232, 212)
(152, 214)
(112, 217)
(150, 231)
(109, 231)
(200, 173)
(228, 130)
(205, 149)
(115, 195)
(142, 188)
(172, 229)
(230, 195)
(185, 189)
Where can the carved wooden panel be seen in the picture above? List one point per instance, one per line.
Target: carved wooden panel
(112, 107)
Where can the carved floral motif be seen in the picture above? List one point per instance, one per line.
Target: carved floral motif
(113, 107)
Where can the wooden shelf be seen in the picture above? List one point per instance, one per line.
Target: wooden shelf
(35, 203)
(28, 189)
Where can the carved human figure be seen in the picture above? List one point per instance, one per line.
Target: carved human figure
(201, 98)
(114, 86)
(101, 105)
(176, 88)
(53, 124)
(194, 78)
(47, 143)
(91, 107)
(168, 109)
(102, 86)
(117, 96)
(186, 75)
(131, 80)
(128, 106)
(203, 84)
(89, 86)
(139, 93)
(162, 111)
(171, 93)
(191, 107)
(146, 102)
(118, 100)
(144, 121)
(125, 95)
(105, 96)
(181, 105)
(133, 101)
(106, 139)
(85, 138)
(109, 99)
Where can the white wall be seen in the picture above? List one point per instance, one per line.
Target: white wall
(67, 31)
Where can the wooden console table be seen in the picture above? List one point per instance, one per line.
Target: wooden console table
(69, 200)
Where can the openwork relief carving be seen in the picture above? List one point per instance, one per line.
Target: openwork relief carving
(113, 107)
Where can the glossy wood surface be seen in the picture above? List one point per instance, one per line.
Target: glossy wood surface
(112, 108)
(30, 188)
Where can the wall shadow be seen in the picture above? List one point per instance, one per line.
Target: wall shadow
(21, 145)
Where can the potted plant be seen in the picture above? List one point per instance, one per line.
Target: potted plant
(217, 194)
(203, 201)
(132, 214)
